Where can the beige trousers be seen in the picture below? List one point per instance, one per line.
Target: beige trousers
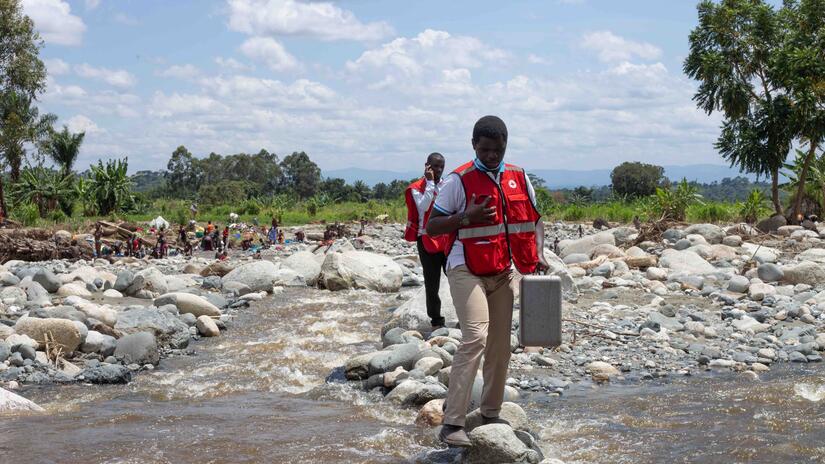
(484, 306)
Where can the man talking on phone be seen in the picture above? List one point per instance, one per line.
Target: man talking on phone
(489, 209)
(420, 197)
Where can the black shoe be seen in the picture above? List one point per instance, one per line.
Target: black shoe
(454, 436)
(492, 420)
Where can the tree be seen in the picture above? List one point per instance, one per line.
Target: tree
(336, 188)
(301, 175)
(63, 147)
(731, 55)
(800, 67)
(183, 176)
(361, 192)
(43, 188)
(636, 179)
(536, 181)
(110, 186)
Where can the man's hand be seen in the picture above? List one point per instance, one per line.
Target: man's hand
(542, 265)
(478, 212)
(428, 172)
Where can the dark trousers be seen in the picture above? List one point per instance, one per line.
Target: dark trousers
(432, 264)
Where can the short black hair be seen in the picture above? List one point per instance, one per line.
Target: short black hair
(491, 127)
(434, 155)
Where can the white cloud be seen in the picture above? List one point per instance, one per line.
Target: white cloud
(270, 52)
(114, 77)
(56, 66)
(611, 47)
(535, 59)
(55, 22)
(429, 50)
(185, 72)
(81, 123)
(231, 64)
(165, 106)
(92, 4)
(320, 20)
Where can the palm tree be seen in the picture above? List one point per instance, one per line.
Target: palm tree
(63, 147)
(44, 188)
(111, 187)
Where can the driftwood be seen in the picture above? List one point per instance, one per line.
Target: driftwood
(641, 262)
(19, 245)
(110, 228)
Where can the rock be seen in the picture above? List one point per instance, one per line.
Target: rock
(399, 355)
(358, 367)
(759, 291)
(211, 282)
(147, 281)
(112, 293)
(685, 261)
(601, 370)
(35, 293)
(288, 278)
(207, 327)
(305, 264)
(787, 231)
(429, 366)
(15, 340)
(497, 443)
(576, 258)
(74, 289)
(138, 348)
(415, 393)
(47, 279)
(106, 374)
(13, 296)
(14, 403)
(8, 279)
(604, 270)
(816, 255)
(624, 235)
(656, 273)
(761, 254)
(771, 224)
(806, 272)
(5, 351)
(218, 268)
(124, 280)
(606, 249)
(431, 415)
(258, 275)
(412, 315)
(673, 235)
(749, 324)
(770, 272)
(712, 233)
(166, 327)
(360, 269)
(586, 244)
(739, 284)
(62, 332)
(734, 241)
(511, 412)
(96, 342)
(188, 303)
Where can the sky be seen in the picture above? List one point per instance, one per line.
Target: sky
(581, 84)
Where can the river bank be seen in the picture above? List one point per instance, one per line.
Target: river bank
(287, 352)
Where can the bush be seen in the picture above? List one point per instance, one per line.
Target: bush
(673, 203)
(713, 212)
(636, 179)
(754, 207)
(27, 213)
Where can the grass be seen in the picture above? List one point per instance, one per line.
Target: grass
(177, 211)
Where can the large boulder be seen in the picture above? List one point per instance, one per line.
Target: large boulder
(62, 333)
(14, 403)
(761, 254)
(106, 374)
(305, 264)
(772, 224)
(47, 279)
(816, 255)
(124, 280)
(712, 233)
(361, 269)
(147, 281)
(218, 268)
(685, 261)
(498, 444)
(188, 303)
(166, 327)
(806, 272)
(585, 244)
(74, 289)
(416, 393)
(511, 412)
(138, 348)
(412, 315)
(258, 275)
(403, 355)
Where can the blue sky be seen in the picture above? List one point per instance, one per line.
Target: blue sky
(582, 84)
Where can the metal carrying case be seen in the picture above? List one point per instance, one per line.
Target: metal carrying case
(540, 316)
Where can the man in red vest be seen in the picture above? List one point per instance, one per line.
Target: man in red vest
(420, 197)
(489, 209)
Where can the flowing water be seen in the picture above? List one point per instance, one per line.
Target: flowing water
(261, 393)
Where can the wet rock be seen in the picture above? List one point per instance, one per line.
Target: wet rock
(138, 348)
(14, 403)
(258, 275)
(497, 443)
(601, 370)
(207, 327)
(357, 368)
(415, 393)
(62, 333)
(165, 326)
(360, 269)
(188, 303)
(412, 315)
(403, 355)
(511, 412)
(306, 265)
(96, 342)
(106, 374)
(431, 415)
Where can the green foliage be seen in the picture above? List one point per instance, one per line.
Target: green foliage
(179, 216)
(712, 212)
(636, 179)
(43, 188)
(544, 201)
(225, 192)
(63, 147)
(110, 187)
(300, 175)
(753, 207)
(26, 213)
(672, 203)
(83, 192)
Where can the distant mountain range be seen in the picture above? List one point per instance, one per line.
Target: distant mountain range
(557, 178)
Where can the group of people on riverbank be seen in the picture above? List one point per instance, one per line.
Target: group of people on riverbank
(476, 225)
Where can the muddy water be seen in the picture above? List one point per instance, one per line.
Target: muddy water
(261, 393)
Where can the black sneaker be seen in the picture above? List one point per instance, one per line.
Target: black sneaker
(492, 420)
(454, 436)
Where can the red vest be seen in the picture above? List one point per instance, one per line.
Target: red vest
(431, 244)
(490, 248)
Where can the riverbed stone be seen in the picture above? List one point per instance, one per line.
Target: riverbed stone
(207, 327)
(139, 348)
(96, 342)
(188, 303)
(106, 373)
(305, 264)
(685, 261)
(412, 315)
(770, 272)
(74, 289)
(498, 443)
(13, 403)
(403, 355)
(511, 412)
(360, 269)
(164, 325)
(62, 332)
(710, 232)
(412, 392)
(586, 244)
(124, 280)
(806, 272)
(431, 414)
(739, 284)
(47, 279)
(259, 275)
(147, 282)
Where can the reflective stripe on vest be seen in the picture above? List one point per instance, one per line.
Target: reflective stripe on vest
(494, 230)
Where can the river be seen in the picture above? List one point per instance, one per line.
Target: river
(262, 392)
